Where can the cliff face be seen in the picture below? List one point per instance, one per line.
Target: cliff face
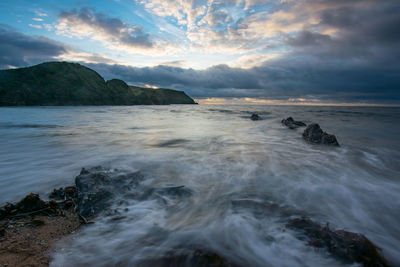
(62, 83)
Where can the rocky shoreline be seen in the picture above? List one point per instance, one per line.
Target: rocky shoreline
(30, 228)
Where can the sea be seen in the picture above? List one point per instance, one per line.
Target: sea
(235, 168)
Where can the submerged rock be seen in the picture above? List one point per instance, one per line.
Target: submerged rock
(174, 191)
(292, 124)
(346, 246)
(189, 258)
(97, 187)
(255, 117)
(314, 134)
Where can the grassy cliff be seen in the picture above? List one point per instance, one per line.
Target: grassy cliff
(62, 83)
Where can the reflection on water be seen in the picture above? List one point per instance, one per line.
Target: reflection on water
(243, 178)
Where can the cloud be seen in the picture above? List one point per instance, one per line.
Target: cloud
(17, 49)
(37, 19)
(48, 27)
(40, 13)
(337, 50)
(255, 60)
(278, 79)
(84, 57)
(323, 50)
(176, 63)
(35, 26)
(20, 50)
(86, 22)
(362, 34)
(228, 27)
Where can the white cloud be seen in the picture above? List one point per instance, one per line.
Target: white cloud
(112, 32)
(40, 13)
(35, 26)
(254, 60)
(48, 27)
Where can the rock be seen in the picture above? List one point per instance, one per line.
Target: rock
(345, 246)
(314, 134)
(255, 117)
(3, 229)
(66, 193)
(31, 205)
(37, 222)
(97, 187)
(292, 124)
(31, 202)
(196, 257)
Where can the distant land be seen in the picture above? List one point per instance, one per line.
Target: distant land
(71, 84)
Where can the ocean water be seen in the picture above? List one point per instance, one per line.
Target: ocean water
(236, 170)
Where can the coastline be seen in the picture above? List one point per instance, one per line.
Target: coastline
(30, 228)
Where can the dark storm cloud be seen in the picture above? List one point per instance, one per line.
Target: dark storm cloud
(279, 80)
(17, 49)
(362, 29)
(104, 26)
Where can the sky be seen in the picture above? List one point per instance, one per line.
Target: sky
(232, 51)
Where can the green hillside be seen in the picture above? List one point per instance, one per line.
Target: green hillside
(63, 83)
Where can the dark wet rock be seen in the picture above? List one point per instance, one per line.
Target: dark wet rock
(37, 222)
(189, 258)
(292, 124)
(66, 193)
(345, 246)
(255, 117)
(3, 227)
(314, 134)
(97, 187)
(84, 171)
(30, 205)
(172, 143)
(31, 202)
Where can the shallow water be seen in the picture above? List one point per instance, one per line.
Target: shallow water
(233, 167)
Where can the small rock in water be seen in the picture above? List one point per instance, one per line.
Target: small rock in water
(189, 258)
(292, 124)
(314, 134)
(346, 246)
(255, 117)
